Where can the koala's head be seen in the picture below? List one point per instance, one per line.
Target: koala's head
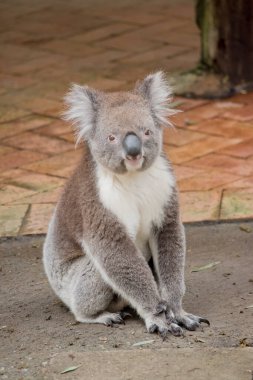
(123, 129)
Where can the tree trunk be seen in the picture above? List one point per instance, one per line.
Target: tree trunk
(227, 38)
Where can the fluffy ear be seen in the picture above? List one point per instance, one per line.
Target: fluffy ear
(157, 91)
(82, 105)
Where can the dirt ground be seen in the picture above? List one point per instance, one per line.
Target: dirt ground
(40, 338)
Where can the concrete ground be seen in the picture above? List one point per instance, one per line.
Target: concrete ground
(40, 339)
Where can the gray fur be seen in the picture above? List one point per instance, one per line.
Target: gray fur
(92, 262)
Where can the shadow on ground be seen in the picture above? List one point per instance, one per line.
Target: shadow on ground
(40, 337)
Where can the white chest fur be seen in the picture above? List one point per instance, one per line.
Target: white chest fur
(137, 198)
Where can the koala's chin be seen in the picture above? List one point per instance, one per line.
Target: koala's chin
(135, 164)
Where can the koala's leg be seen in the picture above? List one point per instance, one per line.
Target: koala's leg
(117, 304)
(125, 270)
(168, 251)
(91, 298)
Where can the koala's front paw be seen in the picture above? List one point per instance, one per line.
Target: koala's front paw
(159, 323)
(189, 321)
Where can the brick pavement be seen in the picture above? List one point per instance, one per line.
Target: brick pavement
(47, 45)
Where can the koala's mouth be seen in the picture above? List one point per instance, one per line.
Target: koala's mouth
(133, 162)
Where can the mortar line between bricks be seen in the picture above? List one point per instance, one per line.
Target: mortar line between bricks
(48, 174)
(220, 204)
(24, 219)
(53, 137)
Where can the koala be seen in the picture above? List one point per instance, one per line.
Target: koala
(119, 209)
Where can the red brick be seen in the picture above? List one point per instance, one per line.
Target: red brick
(56, 128)
(196, 115)
(182, 120)
(225, 128)
(200, 205)
(180, 38)
(206, 181)
(50, 196)
(242, 150)
(11, 113)
(107, 58)
(4, 150)
(32, 181)
(102, 33)
(228, 164)
(42, 106)
(9, 193)
(106, 84)
(242, 114)
(37, 219)
(60, 165)
(11, 218)
(225, 104)
(18, 53)
(134, 17)
(70, 137)
(246, 98)
(237, 204)
(159, 30)
(156, 54)
(36, 64)
(21, 125)
(128, 41)
(70, 48)
(187, 104)
(12, 82)
(43, 144)
(197, 148)
(181, 136)
(180, 62)
(183, 172)
(19, 158)
(245, 182)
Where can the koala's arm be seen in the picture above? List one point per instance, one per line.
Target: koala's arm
(169, 256)
(119, 262)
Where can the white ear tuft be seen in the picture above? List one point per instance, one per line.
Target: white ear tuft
(157, 91)
(82, 106)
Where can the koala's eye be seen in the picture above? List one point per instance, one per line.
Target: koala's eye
(147, 132)
(111, 138)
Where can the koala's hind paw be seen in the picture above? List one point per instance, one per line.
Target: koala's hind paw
(189, 321)
(114, 318)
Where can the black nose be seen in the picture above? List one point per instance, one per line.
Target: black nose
(132, 145)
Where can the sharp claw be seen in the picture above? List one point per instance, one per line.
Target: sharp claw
(153, 328)
(109, 323)
(119, 320)
(163, 334)
(125, 314)
(204, 320)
